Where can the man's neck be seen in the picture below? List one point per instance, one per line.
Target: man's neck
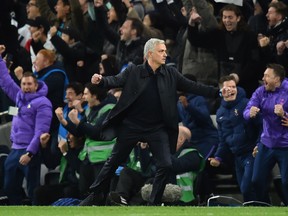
(153, 66)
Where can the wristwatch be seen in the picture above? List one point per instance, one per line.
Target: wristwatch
(29, 154)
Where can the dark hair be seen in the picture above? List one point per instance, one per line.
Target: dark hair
(66, 2)
(120, 10)
(279, 70)
(94, 89)
(156, 19)
(137, 25)
(30, 74)
(242, 24)
(77, 87)
(280, 7)
(226, 78)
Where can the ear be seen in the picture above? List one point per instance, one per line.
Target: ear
(72, 41)
(41, 29)
(79, 97)
(67, 9)
(238, 18)
(134, 32)
(95, 97)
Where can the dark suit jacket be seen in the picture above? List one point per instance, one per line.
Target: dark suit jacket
(134, 80)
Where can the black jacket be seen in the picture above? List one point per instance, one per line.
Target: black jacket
(134, 80)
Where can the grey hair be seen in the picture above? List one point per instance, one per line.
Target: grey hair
(150, 45)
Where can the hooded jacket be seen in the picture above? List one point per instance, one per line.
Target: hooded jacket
(236, 134)
(34, 112)
(274, 134)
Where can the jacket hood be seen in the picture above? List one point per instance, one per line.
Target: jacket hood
(284, 84)
(240, 95)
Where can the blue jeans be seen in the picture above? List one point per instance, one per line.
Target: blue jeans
(264, 162)
(15, 173)
(244, 171)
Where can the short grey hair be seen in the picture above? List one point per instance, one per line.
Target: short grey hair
(150, 45)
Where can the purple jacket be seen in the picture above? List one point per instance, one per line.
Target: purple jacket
(274, 135)
(34, 112)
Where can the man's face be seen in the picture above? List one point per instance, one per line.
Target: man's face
(28, 85)
(40, 62)
(66, 38)
(229, 91)
(126, 31)
(88, 97)
(158, 55)
(230, 20)
(273, 17)
(71, 96)
(32, 10)
(111, 15)
(270, 80)
(61, 9)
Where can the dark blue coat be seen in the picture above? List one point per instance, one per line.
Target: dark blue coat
(235, 133)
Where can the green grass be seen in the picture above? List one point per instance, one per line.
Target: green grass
(141, 211)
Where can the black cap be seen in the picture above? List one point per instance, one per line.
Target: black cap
(39, 22)
(71, 32)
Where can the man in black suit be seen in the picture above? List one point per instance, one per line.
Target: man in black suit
(145, 112)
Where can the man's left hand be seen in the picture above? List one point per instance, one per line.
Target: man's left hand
(285, 121)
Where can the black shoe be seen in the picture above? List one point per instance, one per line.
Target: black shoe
(92, 199)
(116, 199)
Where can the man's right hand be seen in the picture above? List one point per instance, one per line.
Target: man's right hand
(254, 111)
(214, 162)
(63, 146)
(96, 78)
(59, 113)
(18, 71)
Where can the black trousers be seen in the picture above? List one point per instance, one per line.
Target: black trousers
(88, 174)
(158, 142)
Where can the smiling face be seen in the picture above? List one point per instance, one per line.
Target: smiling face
(71, 96)
(62, 10)
(229, 92)
(270, 80)
(32, 10)
(126, 31)
(28, 85)
(40, 62)
(89, 98)
(230, 20)
(273, 17)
